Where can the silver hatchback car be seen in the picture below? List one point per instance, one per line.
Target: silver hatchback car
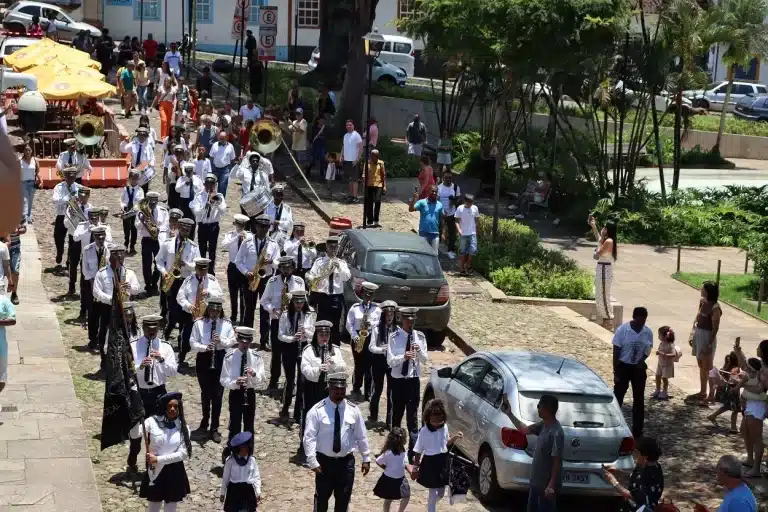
(595, 431)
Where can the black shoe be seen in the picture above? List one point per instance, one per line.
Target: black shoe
(284, 414)
(132, 469)
(215, 436)
(58, 260)
(14, 299)
(203, 425)
(71, 292)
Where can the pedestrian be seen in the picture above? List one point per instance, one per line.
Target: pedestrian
(298, 129)
(222, 158)
(371, 137)
(14, 252)
(164, 101)
(250, 111)
(704, 335)
(124, 52)
(646, 483)
(431, 452)
(129, 94)
(426, 176)
(632, 345)
(727, 380)
(174, 60)
(7, 319)
(606, 253)
(206, 135)
(430, 211)
(150, 50)
(335, 427)
(379, 366)
(352, 147)
(375, 188)
(255, 76)
(444, 150)
(50, 30)
(241, 480)
(754, 385)
(251, 46)
(194, 107)
(738, 496)
(204, 82)
(416, 136)
(325, 104)
(318, 145)
(392, 484)
(104, 51)
(362, 322)
(667, 356)
(448, 193)
(331, 170)
(30, 179)
(142, 81)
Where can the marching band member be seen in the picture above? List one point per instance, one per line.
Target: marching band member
(212, 335)
(301, 250)
(262, 163)
(379, 366)
(329, 273)
(406, 352)
(150, 244)
(252, 173)
(83, 236)
(155, 363)
(255, 260)
(274, 300)
(104, 286)
(130, 196)
(73, 158)
(172, 162)
(318, 360)
(232, 242)
(169, 446)
(297, 326)
(280, 215)
(209, 207)
(75, 248)
(174, 216)
(192, 297)
(62, 192)
(141, 152)
(188, 186)
(103, 217)
(335, 427)
(95, 257)
(241, 481)
(176, 260)
(242, 371)
(364, 315)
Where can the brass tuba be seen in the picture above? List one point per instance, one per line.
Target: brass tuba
(89, 129)
(265, 136)
(146, 218)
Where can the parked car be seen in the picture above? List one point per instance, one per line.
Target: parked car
(713, 97)
(662, 102)
(753, 108)
(382, 73)
(18, 17)
(397, 50)
(407, 271)
(594, 427)
(11, 44)
(12, 79)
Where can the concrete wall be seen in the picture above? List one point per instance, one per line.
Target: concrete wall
(585, 308)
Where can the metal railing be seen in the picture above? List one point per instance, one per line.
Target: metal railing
(50, 144)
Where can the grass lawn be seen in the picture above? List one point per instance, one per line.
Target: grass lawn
(738, 290)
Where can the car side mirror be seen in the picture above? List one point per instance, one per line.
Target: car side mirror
(445, 373)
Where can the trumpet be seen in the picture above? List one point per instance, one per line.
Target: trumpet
(308, 243)
(215, 198)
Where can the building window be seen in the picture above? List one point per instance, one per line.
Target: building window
(309, 13)
(150, 8)
(204, 11)
(406, 8)
(253, 16)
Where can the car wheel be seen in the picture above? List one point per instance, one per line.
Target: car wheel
(435, 338)
(387, 79)
(487, 483)
(17, 27)
(700, 103)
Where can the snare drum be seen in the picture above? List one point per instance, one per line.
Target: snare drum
(256, 201)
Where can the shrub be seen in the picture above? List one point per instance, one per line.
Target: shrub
(515, 245)
(398, 162)
(537, 280)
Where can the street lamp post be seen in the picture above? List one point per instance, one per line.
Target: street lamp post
(373, 45)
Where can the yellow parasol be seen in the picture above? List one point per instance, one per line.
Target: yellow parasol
(56, 67)
(33, 49)
(41, 54)
(72, 87)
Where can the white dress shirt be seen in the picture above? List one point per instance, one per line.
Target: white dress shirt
(200, 338)
(160, 371)
(188, 291)
(167, 444)
(231, 243)
(61, 194)
(140, 153)
(355, 319)
(286, 331)
(271, 300)
(103, 284)
(230, 372)
(284, 220)
(340, 276)
(432, 443)
(396, 353)
(202, 168)
(379, 343)
(318, 432)
(184, 189)
(250, 252)
(222, 155)
(244, 173)
(73, 159)
(205, 214)
(634, 347)
(237, 474)
(252, 113)
(265, 164)
(83, 234)
(91, 260)
(138, 195)
(85, 208)
(167, 255)
(161, 216)
(311, 362)
(291, 248)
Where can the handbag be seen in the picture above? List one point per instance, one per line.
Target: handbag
(459, 480)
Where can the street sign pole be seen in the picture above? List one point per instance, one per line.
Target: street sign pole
(267, 41)
(240, 76)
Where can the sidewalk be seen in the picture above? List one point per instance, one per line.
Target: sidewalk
(44, 462)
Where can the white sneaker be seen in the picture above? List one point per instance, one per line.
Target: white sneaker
(519, 216)
(452, 255)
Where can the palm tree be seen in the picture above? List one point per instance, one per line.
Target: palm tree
(739, 24)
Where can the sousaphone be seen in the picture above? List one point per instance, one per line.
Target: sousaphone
(89, 129)
(265, 136)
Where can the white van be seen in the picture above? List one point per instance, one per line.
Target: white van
(397, 50)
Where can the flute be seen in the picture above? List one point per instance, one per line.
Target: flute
(149, 370)
(213, 352)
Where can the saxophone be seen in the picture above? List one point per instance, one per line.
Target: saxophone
(363, 333)
(145, 215)
(103, 260)
(259, 271)
(175, 271)
(323, 273)
(198, 308)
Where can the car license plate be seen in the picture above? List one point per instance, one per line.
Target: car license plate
(575, 478)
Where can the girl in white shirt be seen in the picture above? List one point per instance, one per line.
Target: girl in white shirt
(393, 485)
(241, 482)
(30, 177)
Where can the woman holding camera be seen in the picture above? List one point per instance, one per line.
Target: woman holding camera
(606, 254)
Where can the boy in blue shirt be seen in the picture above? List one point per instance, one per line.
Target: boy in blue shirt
(430, 210)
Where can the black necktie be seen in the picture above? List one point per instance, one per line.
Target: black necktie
(407, 363)
(130, 193)
(253, 177)
(138, 156)
(191, 182)
(207, 209)
(71, 157)
(299, 260)
(239, 241)
(99, 253)
(330, 283)
(336, 431)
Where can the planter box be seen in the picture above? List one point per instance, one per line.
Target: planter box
(585, 308)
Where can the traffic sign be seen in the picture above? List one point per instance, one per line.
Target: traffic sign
(268, 17)
(268, 43)
(237, 26)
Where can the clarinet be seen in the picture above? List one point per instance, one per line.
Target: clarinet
(213, 352)
(148, 370)
(243, 360)
(323, 348)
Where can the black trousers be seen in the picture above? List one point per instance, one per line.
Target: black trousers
(93, 314)
(311, 393)
(211, 390)
(251, 298)
(372, 204)
(405, 399)
(149, 249)
(290, 355)
(172, 307)
(277, 349)
(363, 375)
(207, 240)
(235, 281)
(86, 296)
(330, 307)
(450, 228)
(336, 479)
(174, 199)
(241, 417)
(59, 236)
(187, 211)
(130, 232)
(74, 251)
(185, 326)
(149, 399)
(634, 374)
(102, 312)
(380, 371)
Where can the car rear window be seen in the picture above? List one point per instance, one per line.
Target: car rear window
(406, 265)
(401, 48)
(9, 49)
(761, 89)
(581, 411)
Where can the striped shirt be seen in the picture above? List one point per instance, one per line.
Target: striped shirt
(15, 240)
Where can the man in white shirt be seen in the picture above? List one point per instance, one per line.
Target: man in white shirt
(173, 59)
(352, 147)
(254, 173)
(632, 344)
(150, 243)
(195, 291)
(231, 243)
(141, 152)
(334, 429)
(75, 248)
(378, 356)
(466, 224)
(250, 111)
(188, 186)
(222, 158)
(84, 236)
(329, 274)
(363, 316)
(208, 208)
(62, 192)
(73, 158)
(406, 352)
(302, 251)
(281, 216)
(448, 193)
(95, 257)
(298, 129)
(130, 197)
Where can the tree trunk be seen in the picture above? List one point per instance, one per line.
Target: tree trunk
(659, 155)
(721, 129)
(677, 141)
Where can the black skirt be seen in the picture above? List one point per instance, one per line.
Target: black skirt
(389, 488)
(433, 473)
(240, 496)
(170, 486)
